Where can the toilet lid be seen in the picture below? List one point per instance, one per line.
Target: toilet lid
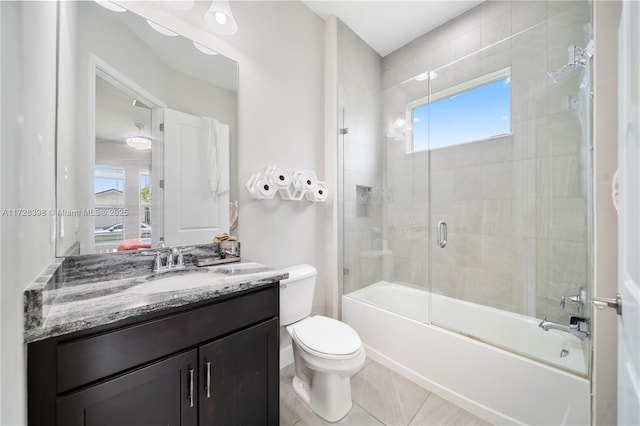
(328, 336)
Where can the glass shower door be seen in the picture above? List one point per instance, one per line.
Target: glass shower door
(508, 157)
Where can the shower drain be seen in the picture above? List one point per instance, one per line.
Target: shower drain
(564, 353)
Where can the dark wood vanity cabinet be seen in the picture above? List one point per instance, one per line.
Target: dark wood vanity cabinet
(156, 394)
(212, 364)
(236, 378)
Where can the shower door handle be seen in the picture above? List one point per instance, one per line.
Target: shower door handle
(442, 234)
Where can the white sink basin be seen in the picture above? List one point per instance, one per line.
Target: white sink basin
(175, 282)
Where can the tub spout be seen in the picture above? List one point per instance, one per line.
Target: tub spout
(550, 325)
(579, 327)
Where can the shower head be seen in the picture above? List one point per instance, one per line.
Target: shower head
(556, 75)
(578, 58)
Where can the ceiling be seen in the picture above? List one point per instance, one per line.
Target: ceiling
(387, 25)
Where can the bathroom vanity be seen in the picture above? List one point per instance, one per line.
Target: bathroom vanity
(120, 352)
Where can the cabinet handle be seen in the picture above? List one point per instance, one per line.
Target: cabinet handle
(208, 379)
(191, 387)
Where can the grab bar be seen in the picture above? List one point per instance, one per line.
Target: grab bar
(442, 234)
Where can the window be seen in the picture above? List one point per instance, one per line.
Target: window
(475, 110)
(109, 186)
(109, 193)
(145, 199)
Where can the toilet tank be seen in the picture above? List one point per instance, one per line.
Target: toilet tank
(296, 293)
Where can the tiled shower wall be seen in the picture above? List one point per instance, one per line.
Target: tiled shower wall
(360, 111)
(516, 206)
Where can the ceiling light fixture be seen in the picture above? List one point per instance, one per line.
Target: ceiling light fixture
(204, 49)
(162, 30)
(139, 142)
(220, 19)
(111, 6)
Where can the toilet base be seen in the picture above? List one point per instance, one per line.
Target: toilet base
(329, 397)
(301, 389)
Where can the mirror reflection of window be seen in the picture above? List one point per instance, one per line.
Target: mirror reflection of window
(145, 205)
(110, 195)
(124, 149)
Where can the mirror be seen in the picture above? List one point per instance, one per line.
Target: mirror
(146, 138)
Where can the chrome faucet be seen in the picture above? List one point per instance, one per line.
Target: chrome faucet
(174, 260)
(579, 327)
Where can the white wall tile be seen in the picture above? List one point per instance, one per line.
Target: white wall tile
(497, 217)
(565, 135)
(528, 135)
(568, 219)
(524, 179)
(468, 184)
(498, 150)
(468, 43)
(466, 249)
(566, 178)
(444, 185)
(497, 181)
(529, 98)
(526, 14)
(443, 158)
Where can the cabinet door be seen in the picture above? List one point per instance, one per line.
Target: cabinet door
(239, 378)
(162, 393)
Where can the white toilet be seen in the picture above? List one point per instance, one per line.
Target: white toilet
(326, 352)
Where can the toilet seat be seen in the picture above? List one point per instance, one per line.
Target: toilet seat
(326, 338)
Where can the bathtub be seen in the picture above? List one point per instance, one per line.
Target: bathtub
(499, 385)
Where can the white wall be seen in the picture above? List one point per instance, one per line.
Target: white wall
(280, 51)
(28, 130)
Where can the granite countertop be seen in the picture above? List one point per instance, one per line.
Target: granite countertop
(56, 304)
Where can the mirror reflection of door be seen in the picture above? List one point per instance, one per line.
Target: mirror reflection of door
(123, 190)
(196, 174)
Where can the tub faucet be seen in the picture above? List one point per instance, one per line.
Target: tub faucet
(579, 327)
(579, 299)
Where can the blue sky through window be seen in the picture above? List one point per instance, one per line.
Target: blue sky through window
(144, 180)
(480, 113)
(109, 178)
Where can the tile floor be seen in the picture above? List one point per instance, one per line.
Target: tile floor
(380, 397)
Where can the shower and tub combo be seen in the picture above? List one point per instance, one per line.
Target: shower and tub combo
(524, 376)
(467, 265)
